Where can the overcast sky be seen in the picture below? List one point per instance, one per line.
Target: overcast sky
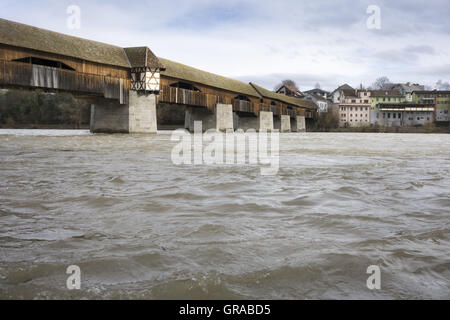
(310, 42)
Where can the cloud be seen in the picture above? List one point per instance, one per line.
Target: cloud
(420, 49)
(323, 41)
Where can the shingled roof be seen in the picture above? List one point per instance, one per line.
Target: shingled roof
(350, 92)
(143, 57)
(343, 87)
(183, 72)
(385, 93)
(283, 98)
(21, 35)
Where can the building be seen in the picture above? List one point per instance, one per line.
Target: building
(335, 96)
(404, 87)
(318, 92)
(440, 99)
(354, 109)
(405, 114)
(442, 106)
(290, 91)
(383, 97)
(321, 102)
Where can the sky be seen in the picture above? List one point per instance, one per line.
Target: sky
(324, 41)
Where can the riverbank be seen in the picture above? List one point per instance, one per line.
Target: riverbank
(45, 126)
(378, 129)
(372, 129)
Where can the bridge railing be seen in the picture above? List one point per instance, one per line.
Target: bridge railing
(245, 106)
(36, 76)
(199, 99)
(190, 97)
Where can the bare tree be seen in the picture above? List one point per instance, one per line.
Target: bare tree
(287, 82)
(380, 83)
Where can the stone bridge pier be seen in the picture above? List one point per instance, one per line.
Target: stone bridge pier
(137, 116)
(300, 124)
(282, 123)
(263, 122)
(221, 119)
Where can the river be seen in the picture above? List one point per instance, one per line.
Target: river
(140, 227)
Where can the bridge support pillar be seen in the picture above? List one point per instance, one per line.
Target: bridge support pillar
(285, 123)
(221, 119)
(301, 124)
(142, 113)
(282, 123)
(224, 117)
(264, 122)
(138, 116)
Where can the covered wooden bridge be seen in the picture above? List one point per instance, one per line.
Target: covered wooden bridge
(125, 85)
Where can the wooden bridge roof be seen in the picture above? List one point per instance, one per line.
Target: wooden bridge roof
(283, 98)
(183, 72)
(143, 57)
(24, 36)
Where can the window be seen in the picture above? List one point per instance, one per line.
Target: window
(384, 115)
(399, 115)
(184, 85)
(394, 115)
(389, 115)
(367, 108)
(351, 108)
(45, 62)
(353, 101)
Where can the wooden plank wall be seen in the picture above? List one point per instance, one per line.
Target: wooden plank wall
(208, 97)
(9, 53)
(18, 74)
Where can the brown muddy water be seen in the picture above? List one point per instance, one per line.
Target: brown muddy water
(140, 227)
